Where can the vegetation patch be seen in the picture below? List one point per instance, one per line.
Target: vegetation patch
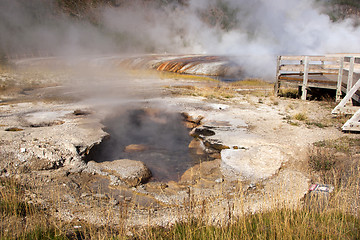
(178, 76)
(300, 116)
(317, 124)
(218, 92)
(346, 145)
(321, 160)
(288, 93)
(276, 224)
(337, 162)
(254, 82)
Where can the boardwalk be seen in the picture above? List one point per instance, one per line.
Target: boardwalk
(338, 72)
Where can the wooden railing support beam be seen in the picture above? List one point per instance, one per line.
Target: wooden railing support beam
(277, 83)
(341, 107)
(339, 80)
(351, 74)
(305, 79)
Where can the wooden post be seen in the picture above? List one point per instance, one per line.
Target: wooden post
(339, 81)
(350, 76)
(277, 83)
(305, 81)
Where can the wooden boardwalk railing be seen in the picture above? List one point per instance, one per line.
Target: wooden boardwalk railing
(329, 72)
(338, 72)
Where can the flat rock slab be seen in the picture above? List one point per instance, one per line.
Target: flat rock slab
(255, 163)
(131, 172)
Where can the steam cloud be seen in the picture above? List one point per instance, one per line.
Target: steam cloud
(257, 30)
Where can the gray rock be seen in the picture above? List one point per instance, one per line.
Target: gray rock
(254, 164)
(133, 173)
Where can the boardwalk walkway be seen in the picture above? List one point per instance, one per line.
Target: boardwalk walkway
(339, 72)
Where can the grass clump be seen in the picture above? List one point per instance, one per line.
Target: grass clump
(20, 219)
(11, 203)
(321, 160)
(300, 116)
(288, 93)
(316, 124)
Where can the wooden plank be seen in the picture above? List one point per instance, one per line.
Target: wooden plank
(339, 81)
(323, 58)
(302, 74)
(304, 85)
(325, 71)
(340, 108)
(311, 58)
(277, 83)
(350, 76)
(331, 66)
(311, 84)
(292, 58)
(312, 68)
(311, 78)
(356, 95)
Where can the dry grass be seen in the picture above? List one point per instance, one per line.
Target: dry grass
(288, 93)
(21, 219)
(252, 82)
(218, 92)
(337, 219)
(300, 116)
(178, 76)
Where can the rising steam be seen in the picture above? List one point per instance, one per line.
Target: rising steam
(257, 30)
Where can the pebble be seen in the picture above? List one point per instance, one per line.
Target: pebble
(219, 180)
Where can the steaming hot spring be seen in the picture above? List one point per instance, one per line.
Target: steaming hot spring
(160, 139)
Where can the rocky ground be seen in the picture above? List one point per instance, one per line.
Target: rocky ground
(253, 147)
